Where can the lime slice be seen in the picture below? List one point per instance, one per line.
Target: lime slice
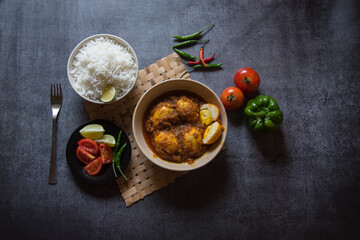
(108, 94)
(92, 131)
(106, 139)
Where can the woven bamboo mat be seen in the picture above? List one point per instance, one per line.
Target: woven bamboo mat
(143, 176)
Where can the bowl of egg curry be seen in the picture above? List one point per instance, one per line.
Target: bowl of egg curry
(180, 124)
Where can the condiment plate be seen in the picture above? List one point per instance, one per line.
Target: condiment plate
(106, 174)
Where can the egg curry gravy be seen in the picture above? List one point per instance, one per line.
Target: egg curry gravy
(173, 129)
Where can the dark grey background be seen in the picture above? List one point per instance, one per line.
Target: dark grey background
(300, 182)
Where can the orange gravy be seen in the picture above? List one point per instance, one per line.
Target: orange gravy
(173, 137)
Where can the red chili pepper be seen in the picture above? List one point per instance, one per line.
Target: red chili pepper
(201, 56)
(205, 60)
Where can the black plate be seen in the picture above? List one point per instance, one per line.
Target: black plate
(106, 174)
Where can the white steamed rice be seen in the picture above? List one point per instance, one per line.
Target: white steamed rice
(101, 62)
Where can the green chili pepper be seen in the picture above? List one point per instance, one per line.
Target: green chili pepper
(114, 170)
(188, 42)
(185, 73)
(184, 54)
(214, 65)
(115, 151)
(263, 114)
(200, 66)
(118, 142)
(117, 160)
(193, 35)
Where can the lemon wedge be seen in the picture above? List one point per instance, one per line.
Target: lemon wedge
(108, 94)
(213, 110)
(212, 133)
(92, 131)
(106, 139)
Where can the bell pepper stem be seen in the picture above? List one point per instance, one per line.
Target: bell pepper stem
(260, 114)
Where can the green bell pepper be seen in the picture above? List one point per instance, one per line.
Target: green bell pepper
(263, 114)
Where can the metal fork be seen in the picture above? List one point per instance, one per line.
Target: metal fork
(56, 101)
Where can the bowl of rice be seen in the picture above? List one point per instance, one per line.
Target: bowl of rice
(102, 62)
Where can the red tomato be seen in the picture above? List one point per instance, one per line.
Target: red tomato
(84, 156)
(106, 153)
(232, 98)
(89, 145)
(94, 167)
(247, 80)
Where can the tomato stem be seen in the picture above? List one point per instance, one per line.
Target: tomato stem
(246, 80)
(231, 97)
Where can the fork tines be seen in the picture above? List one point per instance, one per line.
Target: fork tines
(55, 90)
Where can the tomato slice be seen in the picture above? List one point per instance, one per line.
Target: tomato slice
(89, 145)
(84, 156)
(106, 153)
(94, 167)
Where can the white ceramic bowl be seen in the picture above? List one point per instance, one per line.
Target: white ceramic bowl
(81, 44)
(177, 85)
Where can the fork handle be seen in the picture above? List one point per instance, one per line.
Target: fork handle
(52, 172)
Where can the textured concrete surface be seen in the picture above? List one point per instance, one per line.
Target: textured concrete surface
(301, 182)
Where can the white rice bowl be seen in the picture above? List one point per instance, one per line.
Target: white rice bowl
(99, 61)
